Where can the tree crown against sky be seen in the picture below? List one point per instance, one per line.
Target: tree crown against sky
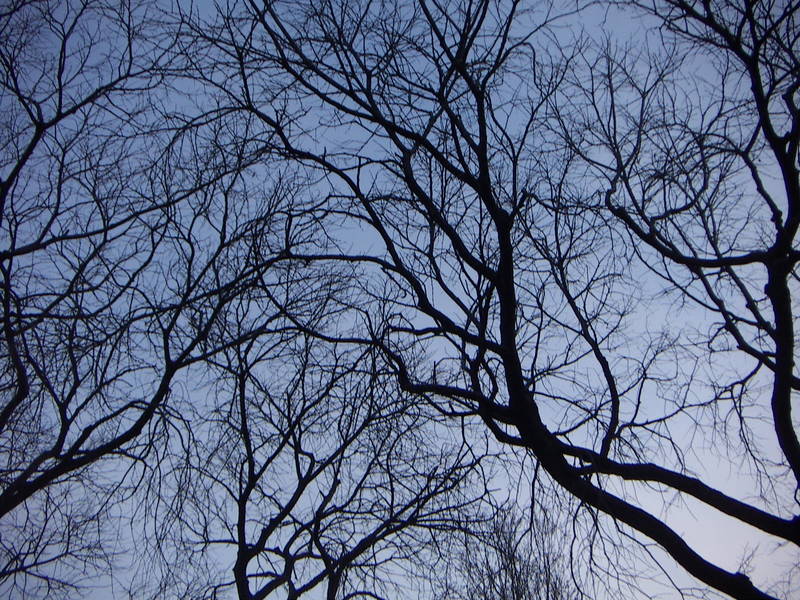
(579, 245)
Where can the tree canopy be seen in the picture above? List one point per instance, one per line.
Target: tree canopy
(295, 292)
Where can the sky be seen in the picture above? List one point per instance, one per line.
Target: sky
(715, 536)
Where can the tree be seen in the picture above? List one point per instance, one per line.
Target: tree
(537, 210)
(121, 247)
(307, 475)
(508, 561)
(146, 261)
(72, 118)
(179, 193)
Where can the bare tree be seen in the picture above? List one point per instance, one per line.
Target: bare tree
(156, 393)
(66, 85)
(122, 244)
(310, 475)
(509, 560)
(501, 214)
(523, 195)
